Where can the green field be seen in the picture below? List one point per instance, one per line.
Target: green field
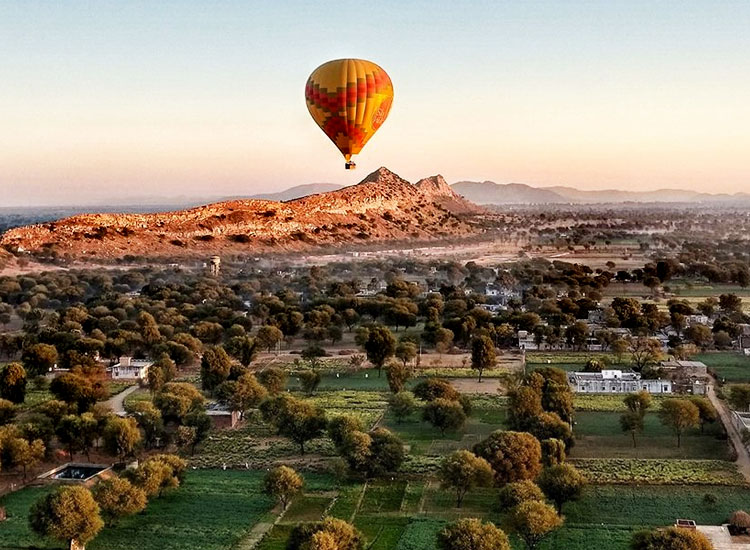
(211, 511)
(598, 435)
(728, 366)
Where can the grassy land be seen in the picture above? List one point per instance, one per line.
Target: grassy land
(598, 435)
(729, 366)
(211, 511)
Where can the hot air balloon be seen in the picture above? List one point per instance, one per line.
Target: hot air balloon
(349, 99)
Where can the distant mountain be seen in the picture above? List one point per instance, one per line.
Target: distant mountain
(298, 192)
(382, 208)
(489, 192)
(437, 189)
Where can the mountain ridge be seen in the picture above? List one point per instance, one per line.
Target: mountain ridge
(382, 208)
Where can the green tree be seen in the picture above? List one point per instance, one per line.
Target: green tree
(638, 402)
(379, 346)
(13, 383)
(671, 538)
(514, 493)
(631, 422)
(406, 351)
(472, 534)
(706, 412)
(514, 456)
(402, 405)
(215, 367)
(149, 420)
(282, 483)
(462, 471)
(268, 336)
(274, 379)
(553, 451)
(561, 483)
(329, 534)
(444, 414)
(482, 354)
(533, 521)
(39, 359)
(67, 514)
(118, 498)
(121, 436)
(397, 374)
(8, 412)
(679, 415)
(309, 380)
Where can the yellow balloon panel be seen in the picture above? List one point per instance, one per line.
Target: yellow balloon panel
(349, 99)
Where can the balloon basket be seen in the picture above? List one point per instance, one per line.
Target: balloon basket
(350, 165)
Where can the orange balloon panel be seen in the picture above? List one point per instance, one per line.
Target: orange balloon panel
(349, 99)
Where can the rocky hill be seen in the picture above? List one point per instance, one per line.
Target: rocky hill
(382, 208)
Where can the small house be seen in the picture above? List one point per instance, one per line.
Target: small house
(128, 368)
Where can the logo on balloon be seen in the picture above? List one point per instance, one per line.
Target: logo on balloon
(380, 115)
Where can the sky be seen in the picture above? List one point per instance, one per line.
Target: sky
(109, 100)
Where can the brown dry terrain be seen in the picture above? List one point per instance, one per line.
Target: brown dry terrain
(382, 208)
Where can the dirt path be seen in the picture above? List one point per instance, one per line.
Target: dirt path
(472, 385)
(743, 456)
(117, 402)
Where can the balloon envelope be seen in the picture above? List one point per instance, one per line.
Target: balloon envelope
(349, 99)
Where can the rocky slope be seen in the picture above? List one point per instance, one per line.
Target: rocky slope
(382, 208)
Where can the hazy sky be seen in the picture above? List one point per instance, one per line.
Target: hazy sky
(110, 99)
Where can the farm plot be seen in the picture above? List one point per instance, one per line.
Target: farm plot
(211, 511)
(598, 435)
(659, 471)
(728, 366)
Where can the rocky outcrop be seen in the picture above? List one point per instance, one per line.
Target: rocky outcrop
(381, 208)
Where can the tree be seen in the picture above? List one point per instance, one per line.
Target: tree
(482, 354)
(402, 405)
(679, 415)
(524, 405)
(8, 412)
(329, 534)
(514, 456)
(121, 436)
(13, 383)
(199, 420)
(118, 498)
(444, 414)
(177, 399)
(268, 336)
(631, 422)
(434, 388)
(706, 412)
(74, 389)
(739, 396)
(341, 427)
(215, 367)
(22, 453)
(644, 352)
(274, 379)
(553, 451)
(386, 451)
(309, 380)
(472, 534)
(397, 374)
(241, 394)
(740, 520)
(533, 521)
(730, 302)
(671, 538)
(68, 433)
(513, 494)
(561, 483)
(149, 420)
(462, 470)
(406, 351)
(39, 359)
(379, 346)
(68, 514)
(298, 420)
(638, 402)
(282, 483)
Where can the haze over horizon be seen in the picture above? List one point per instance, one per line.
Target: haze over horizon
(108, 101)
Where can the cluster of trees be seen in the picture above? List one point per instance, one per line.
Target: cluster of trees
(75, 514)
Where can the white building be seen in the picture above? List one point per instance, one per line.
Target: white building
(616, 381)
(129, 368)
